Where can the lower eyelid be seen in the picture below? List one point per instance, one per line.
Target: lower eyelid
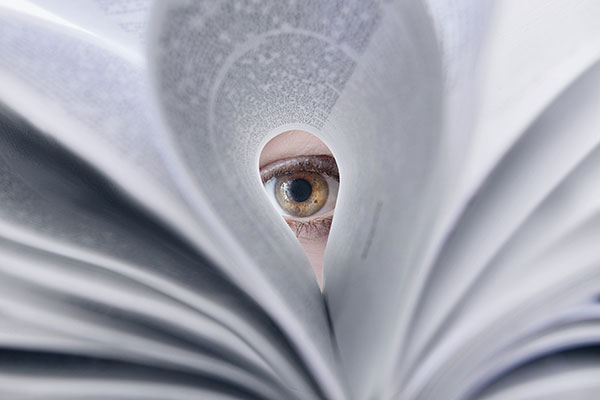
(313, 229)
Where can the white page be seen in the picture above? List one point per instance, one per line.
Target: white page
(531, 302)
(221, 108)
(518, 86)
(568, 378)
(533, 51)
(560, 60)
(67, 387)
(87, 228)
(95, 29)
(123, 22)
(56, 277)
(95, 102)
(552, 147)
(577, 328)
(124, 149)
(385, 133)
(92, 100)
(226, 87)
(89, 287)
(333, 129)
(461, 28)
(569, 206)
(128, 342)
(18, 334)
(400, 170)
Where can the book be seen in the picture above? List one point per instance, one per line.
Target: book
(140, 257)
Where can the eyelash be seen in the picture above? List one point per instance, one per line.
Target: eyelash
(322, 164)
(314, 226)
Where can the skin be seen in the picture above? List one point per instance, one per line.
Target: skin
(293, 144)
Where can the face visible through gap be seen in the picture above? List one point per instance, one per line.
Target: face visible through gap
(301, 179)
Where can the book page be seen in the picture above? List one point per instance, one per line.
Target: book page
(533, 51)
(466, 350)
(95, 102)
(572, 375)
(65, 386)
(527, 199)
(226, 87)
(461, 27)
(579, 327)
(106, 336)
(65, 216)
(523, 180)
(123, 22)
(385, 131)
(136, 163)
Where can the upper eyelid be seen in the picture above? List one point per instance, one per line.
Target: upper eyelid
(323, 163)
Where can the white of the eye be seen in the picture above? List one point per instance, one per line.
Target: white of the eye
(329, 205)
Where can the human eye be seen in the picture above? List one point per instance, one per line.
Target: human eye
(304, 189)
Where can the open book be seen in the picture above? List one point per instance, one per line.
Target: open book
(141, 259)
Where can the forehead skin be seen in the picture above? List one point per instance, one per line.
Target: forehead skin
(292, 144)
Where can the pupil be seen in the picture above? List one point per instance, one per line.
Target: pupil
(299, 190)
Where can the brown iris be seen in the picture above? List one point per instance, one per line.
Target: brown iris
(302, 193)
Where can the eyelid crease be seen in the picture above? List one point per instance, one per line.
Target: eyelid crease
(324, 164)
